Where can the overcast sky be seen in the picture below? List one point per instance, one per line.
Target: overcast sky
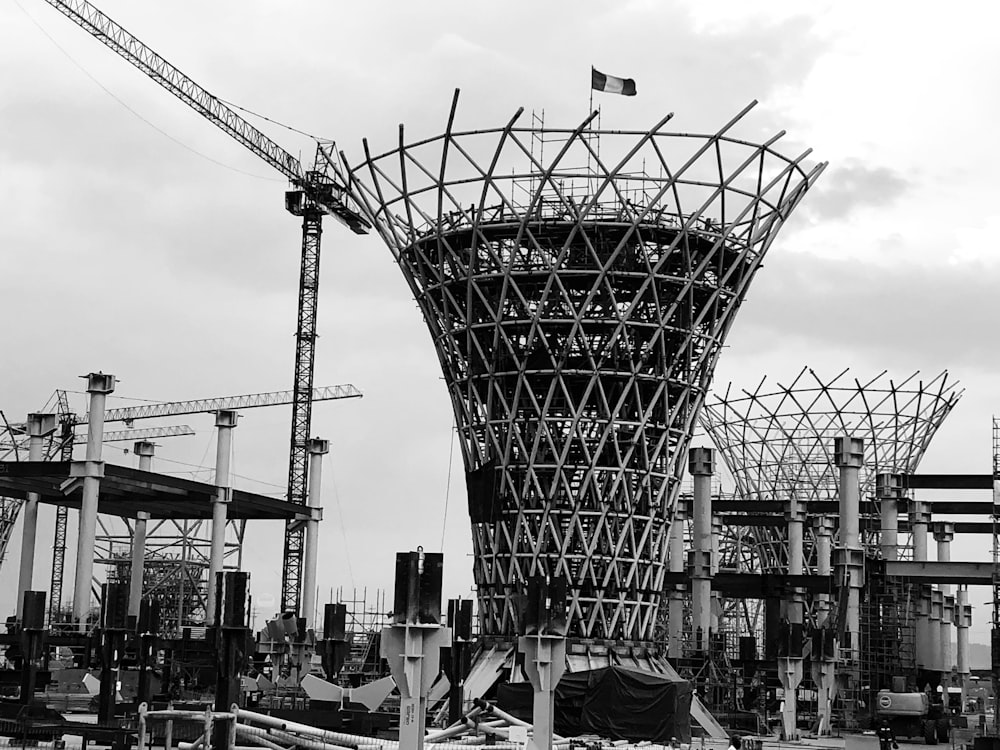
(139, 240)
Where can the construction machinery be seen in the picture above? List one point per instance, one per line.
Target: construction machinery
(314, 193)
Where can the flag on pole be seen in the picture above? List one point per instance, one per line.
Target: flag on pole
(610, 84)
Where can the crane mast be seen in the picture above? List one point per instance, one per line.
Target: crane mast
(315, 193)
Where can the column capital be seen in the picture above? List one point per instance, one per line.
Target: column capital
(701, 461)
(849, 452)
(99, 382)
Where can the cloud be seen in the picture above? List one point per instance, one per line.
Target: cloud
(852, 185)
(924, 316)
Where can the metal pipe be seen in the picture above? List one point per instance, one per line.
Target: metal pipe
(316, 448)
(700, 466)
(144, 450)
(99, 386)
(675, 602)
(919, 522)
(225, 421)
(824, 564)
(849, 453)
(888, 492)
(39, 425)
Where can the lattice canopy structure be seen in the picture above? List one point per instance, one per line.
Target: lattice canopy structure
(777, 440)
(578, 285)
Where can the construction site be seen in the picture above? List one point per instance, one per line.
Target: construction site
(657, 558)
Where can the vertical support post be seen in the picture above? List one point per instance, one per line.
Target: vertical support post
(99, 386)
(543, 643)
(888, 492)
(412, 644)
(849, 457)
(225, 421)
(460, 622)
(963, 619)
(147, 628)
(317, 448)
(675, 605)
(32, 641)
(824, 649)
(701, 468)
(936, 615)
(144, 450)
(920, 518)
(944, 534)
(824, 564)
(790, 659)
(232, 637)
(114, 614)
(947, 647)
(39, 426)
(333, 647)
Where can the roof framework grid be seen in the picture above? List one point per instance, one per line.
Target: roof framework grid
(577, 304)
(777, 440)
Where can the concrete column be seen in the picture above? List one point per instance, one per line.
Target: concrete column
(317, 448)
(700, 465)
(39, 426)
(144, 450)
(849, 456)
(99, 386)
(824, 563)
(888, 492)
(675, 603)
(225, 421)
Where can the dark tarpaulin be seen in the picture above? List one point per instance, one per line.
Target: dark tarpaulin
(617, 703)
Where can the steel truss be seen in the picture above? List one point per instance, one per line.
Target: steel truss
(578, 304)
(175, 571)
(777, 440)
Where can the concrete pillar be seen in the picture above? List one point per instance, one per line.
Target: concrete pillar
(316, 448)
(225, 421)
(920, 518)
(888, 493)
(849, 456)
(144, 450)
(675, 603)
(824, 563)
(39, 426)
(700, 465)
(99, 386)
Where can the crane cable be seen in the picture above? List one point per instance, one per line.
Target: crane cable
(159, 130)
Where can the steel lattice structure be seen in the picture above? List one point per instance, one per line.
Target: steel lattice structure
(777, 440)
(577, 302)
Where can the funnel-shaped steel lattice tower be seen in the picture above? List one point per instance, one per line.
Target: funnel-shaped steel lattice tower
(777, 440)
(578, 285)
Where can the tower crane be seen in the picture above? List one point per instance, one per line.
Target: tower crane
(314, 193)
(153, 410)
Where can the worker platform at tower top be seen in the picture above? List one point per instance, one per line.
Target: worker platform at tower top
(126, 492)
